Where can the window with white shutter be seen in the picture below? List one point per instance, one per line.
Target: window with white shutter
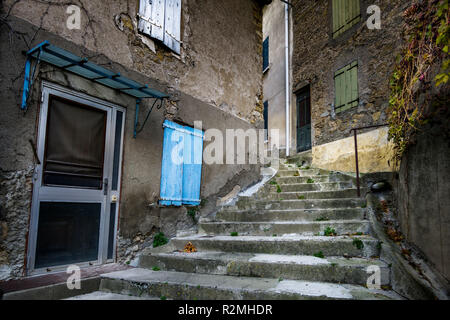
(161, 20)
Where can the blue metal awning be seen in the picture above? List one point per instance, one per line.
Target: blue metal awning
(91, 71)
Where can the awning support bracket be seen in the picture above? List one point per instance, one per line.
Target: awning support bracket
(137, 127)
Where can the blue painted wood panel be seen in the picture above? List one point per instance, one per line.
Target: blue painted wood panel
(172, 164)
(181, 165)
(192, 166)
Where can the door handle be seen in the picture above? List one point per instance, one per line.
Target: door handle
(105, 186)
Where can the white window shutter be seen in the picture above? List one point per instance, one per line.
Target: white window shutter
(145, 14)
(158, 11)
(173, 25)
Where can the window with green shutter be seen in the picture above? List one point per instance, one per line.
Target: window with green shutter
(346, 13)
(346, 87)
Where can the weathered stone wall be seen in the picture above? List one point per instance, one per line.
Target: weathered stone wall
(217, 45)
(221, 46)
(423, 198)
(317, 56)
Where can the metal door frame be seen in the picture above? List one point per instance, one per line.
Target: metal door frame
(59, 194)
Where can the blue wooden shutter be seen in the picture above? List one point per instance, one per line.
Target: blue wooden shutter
(266, 120)
(145, 17)
(158, 14)
(172, 164)
(172, 25)
(192, 166)
(266, 54)
(181, 165)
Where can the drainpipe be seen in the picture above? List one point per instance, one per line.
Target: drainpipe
(288, 96)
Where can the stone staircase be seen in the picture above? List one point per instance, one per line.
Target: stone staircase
(304, 235)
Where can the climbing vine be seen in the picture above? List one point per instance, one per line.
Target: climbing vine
(414, 81)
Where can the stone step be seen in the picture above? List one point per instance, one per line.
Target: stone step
(332, 269)
(191, 286)
(102, 295)
(292, 215)
(341, 227)
(314, 179)
(325, 186)
(303, 179)
(295, 195)
(249, 203)
(297, 172)
(360, 246)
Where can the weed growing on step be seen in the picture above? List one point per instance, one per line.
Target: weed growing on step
(334, 265)
(234, 234)
(358, 244)
(266, 229)
(301, 197)
(280, 279)
(322, 219)
(319, 255)
(329, 232)
(159, 240)
(192, 212)
(273, 183)
(310, 180)
(274, 235)
(156, 268)
(278, 188)
(364, 206)
(163, 298)
(379, 245)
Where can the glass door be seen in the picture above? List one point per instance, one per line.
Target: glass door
(73, 202)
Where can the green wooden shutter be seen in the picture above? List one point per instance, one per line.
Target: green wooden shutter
(346, 87)
(346, 13)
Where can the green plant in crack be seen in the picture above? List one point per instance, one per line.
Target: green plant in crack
(192, 212)
(156, 268)
(322, 219)
(234, 234)
(358, 244)
(163, 298)
(379, 245)
(319, 255)
(329, 232)
(278, 188)
(364, 206)
(159, 240)
(273, 183)
(310, 180)
(301, 197)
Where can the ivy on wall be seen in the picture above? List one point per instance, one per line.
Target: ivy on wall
(415, 80)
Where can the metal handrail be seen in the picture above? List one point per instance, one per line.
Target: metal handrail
(355, 131)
